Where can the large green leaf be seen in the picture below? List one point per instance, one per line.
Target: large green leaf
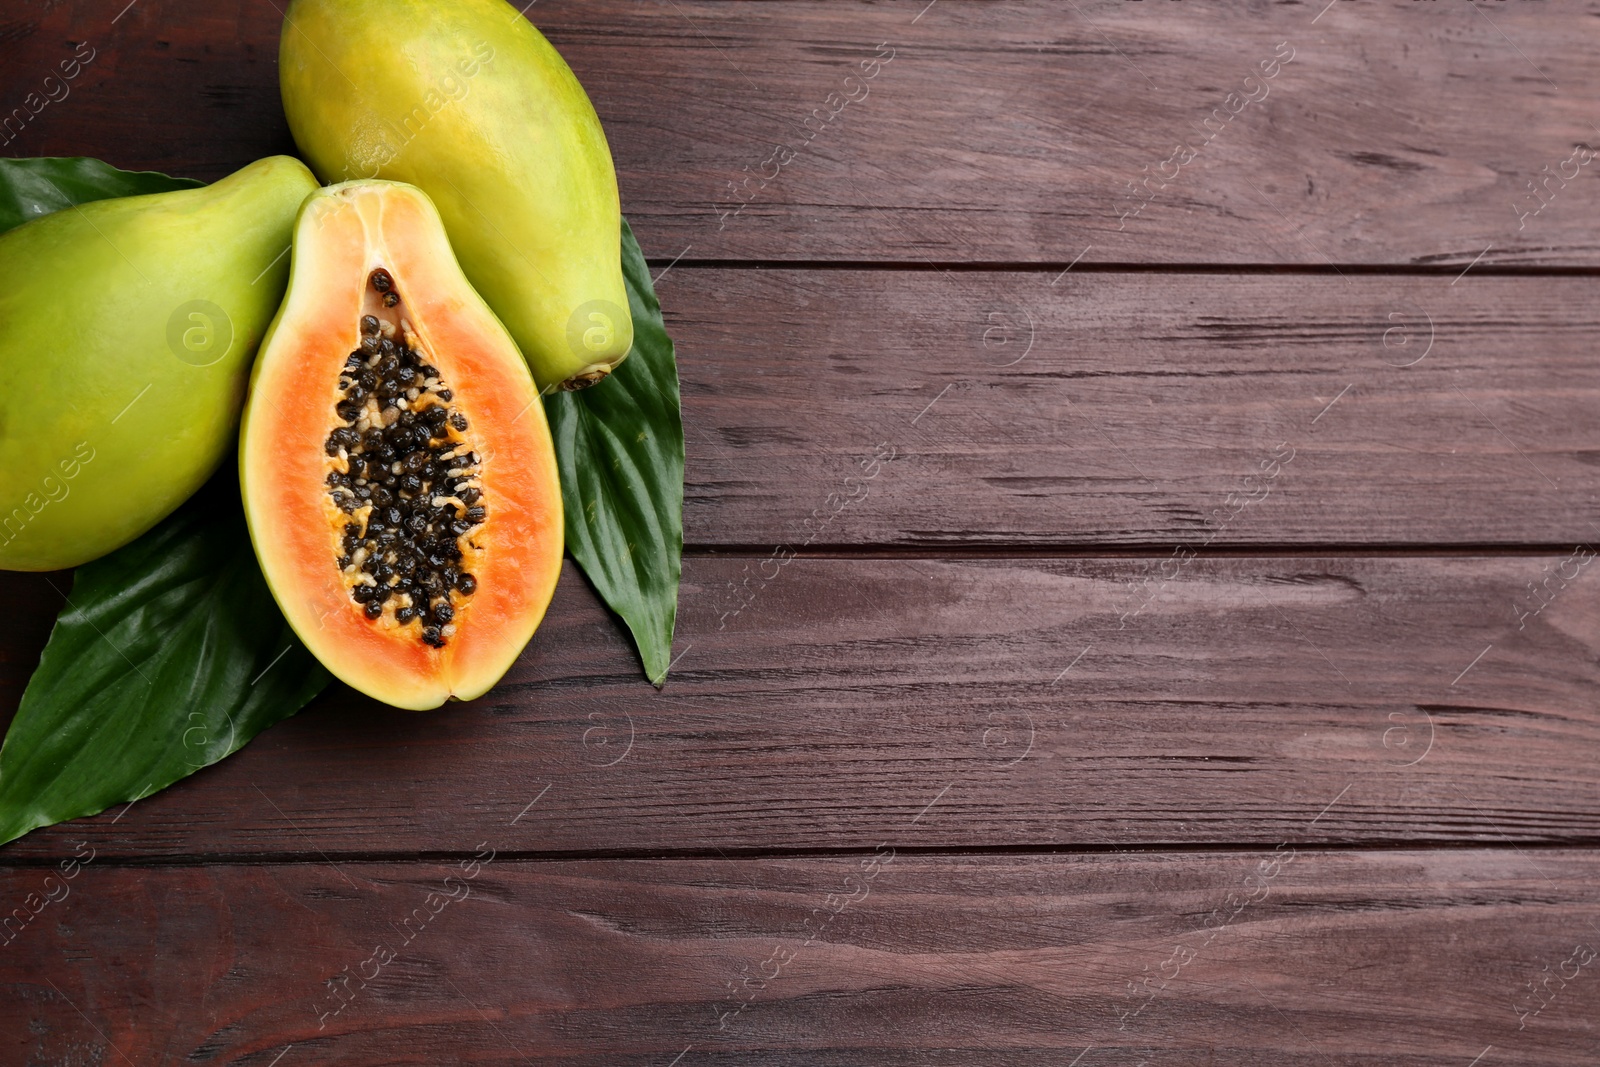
(30, 188)
(620, 449)
(169, 656)
(171, 653)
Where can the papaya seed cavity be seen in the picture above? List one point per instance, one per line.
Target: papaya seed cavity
(404, 473)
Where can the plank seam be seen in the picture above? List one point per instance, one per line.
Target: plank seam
(1135, 550)
(924, 266)
(314, 859)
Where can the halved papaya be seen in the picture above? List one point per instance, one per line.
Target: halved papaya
(398, 474)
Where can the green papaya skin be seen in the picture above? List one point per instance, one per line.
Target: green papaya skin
(467, 101)
(127, 332)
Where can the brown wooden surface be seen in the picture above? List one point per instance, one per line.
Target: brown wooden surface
(1392, 958)
(1234, 703)
(1400, 133)
(1115, 408)
(1081, 746)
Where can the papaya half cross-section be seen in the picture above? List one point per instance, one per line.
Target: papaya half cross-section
(398, 474)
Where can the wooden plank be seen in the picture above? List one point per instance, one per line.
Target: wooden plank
(1108, 409)
(1405, 958)
(1135, 409)
(23, 632)
(1018, 132)
(1029, 702)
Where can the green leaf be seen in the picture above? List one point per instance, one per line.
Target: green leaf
(169, 656)
(171, 653)
(30, 188)
(619, 446)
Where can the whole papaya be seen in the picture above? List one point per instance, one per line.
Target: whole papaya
(127, 332)
(470, 103)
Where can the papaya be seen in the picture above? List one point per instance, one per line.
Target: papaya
(470, 103)
(398, 475)
(127, 330)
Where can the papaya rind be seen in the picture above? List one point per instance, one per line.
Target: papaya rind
(118, 405)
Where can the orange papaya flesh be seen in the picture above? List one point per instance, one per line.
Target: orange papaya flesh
(398, 474)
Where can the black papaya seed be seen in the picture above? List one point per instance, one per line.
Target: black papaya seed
(400, 465)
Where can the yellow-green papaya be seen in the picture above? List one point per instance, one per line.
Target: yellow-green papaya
(470, 103)
(127, 332)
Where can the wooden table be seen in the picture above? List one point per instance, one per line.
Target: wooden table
(1184, 428)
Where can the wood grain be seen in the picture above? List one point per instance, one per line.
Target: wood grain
(1405, 958)
(1030, 702)
(1106, 409)
(1399, 133)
